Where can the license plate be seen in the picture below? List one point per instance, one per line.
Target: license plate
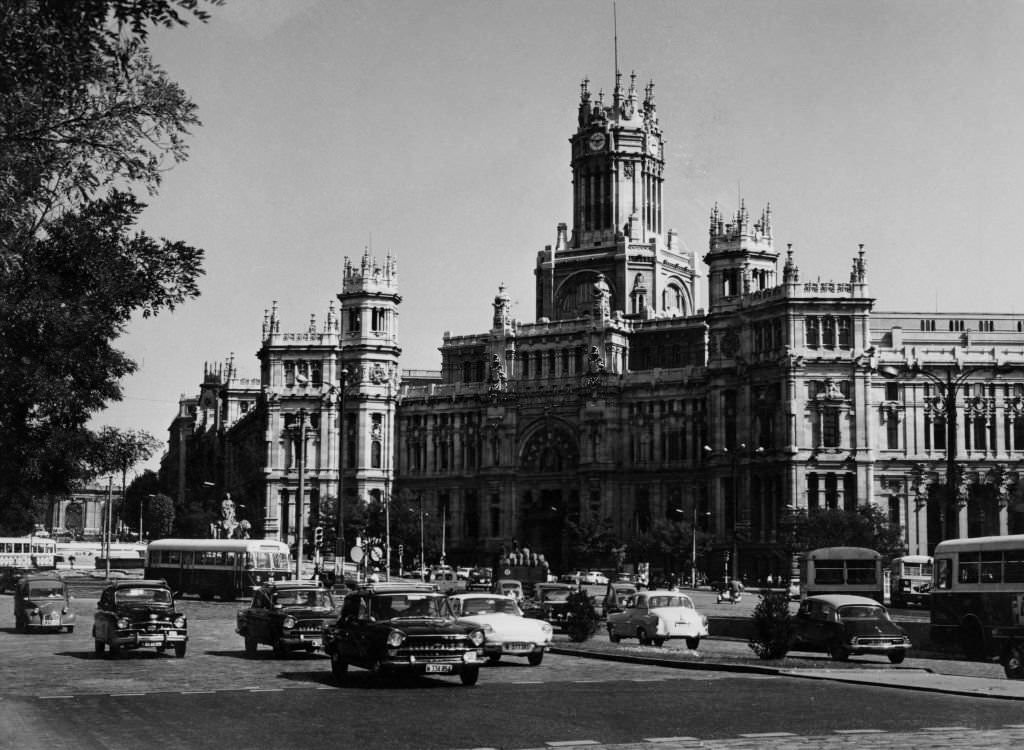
(315, 640)
(151, 639)
(517, 646)
(438, 668)
(51, 619)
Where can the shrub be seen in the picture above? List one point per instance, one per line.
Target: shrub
(773, 626)
(582, 621)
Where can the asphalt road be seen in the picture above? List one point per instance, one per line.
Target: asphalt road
(56, 693)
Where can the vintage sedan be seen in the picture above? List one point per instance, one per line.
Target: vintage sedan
(42, 602)
(616, 596)
(656, 616)
(402, 628)
(550, 602)
(133, 613)
(506, 631)
(287, 616)
(844, 625)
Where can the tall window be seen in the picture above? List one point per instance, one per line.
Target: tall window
(813, 333)
(892, 431)
(830, 428)
(375, 454)
(813, 500)
(828, 338)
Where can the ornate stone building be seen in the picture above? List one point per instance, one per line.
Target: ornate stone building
(625, 403)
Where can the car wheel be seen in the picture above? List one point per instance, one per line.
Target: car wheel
(115, 648)
(179, 650)
(339, 667)
(658, 642)
(279, 649)
(470, 675)
(69, 629)
(535, 659)
(693, 643)
(19, 625)
(1013, 661)
(972, 639)
(493, 658)
(613, 636)
(98, 646)
(838, 652)
(641, 635)
(897, 657)
(250, 645)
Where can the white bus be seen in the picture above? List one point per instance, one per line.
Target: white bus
(227, 568)
(22, 553)
(910, 580)
(842, 570)
(977, 598)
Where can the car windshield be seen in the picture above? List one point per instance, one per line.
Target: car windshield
(555, 595)
(669, 601)
(862, 612)
(487, 605)
(313, 598)
(392, 606)
(145, 595)
(45, 591)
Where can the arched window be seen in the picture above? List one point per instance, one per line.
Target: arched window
(813, 333)
(375, 454)
(828, 333)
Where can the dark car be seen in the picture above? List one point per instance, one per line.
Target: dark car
(287, 616)
(402, 628)
(42, 602)
(550, 602)
(616, 596)
(133, 613)
(844, 625)
(9, 577)
(479, 580)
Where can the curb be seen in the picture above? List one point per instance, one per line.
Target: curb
(654, 661)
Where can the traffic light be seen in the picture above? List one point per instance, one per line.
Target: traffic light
(318, 536)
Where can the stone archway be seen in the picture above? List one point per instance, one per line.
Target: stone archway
(548, 463)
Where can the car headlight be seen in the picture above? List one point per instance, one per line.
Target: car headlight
(476, 637)
(64, 610)
(123, 623)
(487, 628)
(395, 638)
(179, 621)
(288, 623)
(34, 613)
(545, 627)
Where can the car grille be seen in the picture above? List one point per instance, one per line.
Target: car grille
(878, 641)
(309, 626)
(435, 646)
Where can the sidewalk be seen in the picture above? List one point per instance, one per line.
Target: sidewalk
(940, 675)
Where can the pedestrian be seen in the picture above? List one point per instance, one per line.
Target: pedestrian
(771, 580)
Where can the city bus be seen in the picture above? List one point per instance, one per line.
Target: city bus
(842, 570)
(977, 598)
(226, 568)
(22, 553)
(910, 580)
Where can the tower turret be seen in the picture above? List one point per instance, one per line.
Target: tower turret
(741, 257)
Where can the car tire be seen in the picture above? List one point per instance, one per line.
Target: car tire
(613, 636)
(658, 642)
(180, 649)
(535, 659)
(693, 643)
(897, 657)
(972, 640)
(279, 649)
(1013, 662)
(19, 625)
(251, 645)
(641, 635)
(339, 667)
(469, 676)
(69, 629)
(98, 646)
(493, 658)
(838, 652)
(114, 649)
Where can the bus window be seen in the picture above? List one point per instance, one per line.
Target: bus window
(968, 570)
(1014, 570)
(944, 573)
(828, 571)
(992, 567)
(860, 571)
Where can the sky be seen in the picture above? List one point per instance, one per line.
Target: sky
(437, 132)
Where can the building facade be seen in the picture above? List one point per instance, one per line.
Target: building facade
(628, 408)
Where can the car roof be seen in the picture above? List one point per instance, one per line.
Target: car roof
(398, 587)
(478, 594)
(839, 600)
(134, 583)
(664, 592)
(292, 585)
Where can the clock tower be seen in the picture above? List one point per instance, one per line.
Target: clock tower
(617, 224)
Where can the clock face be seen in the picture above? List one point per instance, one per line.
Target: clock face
(596, 142)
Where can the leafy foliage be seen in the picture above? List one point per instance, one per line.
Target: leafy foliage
(591, 542)
(582, 620)
(868, 526)
(83, 109)
(773, 627)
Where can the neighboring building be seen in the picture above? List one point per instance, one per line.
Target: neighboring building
(82, 515)
(626, 403)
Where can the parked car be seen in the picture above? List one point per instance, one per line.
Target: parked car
(479, 580)
(844, 625)
(595, 578)
(133, 613)
(506, 631)
(575, 577)
(42, 602)
(656, 616)
(550, 603)
(404, 628)
(509, 587)
(616, 596)
(287, 616)
(9, 577)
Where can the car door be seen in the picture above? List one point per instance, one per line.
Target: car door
(104, 616)
(259, 615)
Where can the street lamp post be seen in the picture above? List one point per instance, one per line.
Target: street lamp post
(109, 517)
(300, 501)
(423, 559)
(693, 548)
(339, 545)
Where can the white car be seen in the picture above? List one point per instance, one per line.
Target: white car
(654, 617)
(506, 631)
(597, 577)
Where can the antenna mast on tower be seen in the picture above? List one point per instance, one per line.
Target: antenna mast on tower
(615, 31)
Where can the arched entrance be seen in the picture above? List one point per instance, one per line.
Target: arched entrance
(548, 461)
